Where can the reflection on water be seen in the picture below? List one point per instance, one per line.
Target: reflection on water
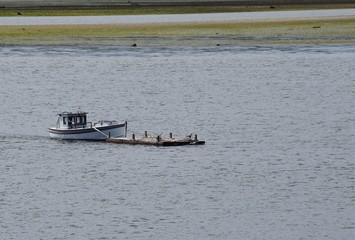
(278, 162)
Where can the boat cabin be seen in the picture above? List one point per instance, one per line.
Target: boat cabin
(68, 120)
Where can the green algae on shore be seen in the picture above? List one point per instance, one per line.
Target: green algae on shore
(317, 31)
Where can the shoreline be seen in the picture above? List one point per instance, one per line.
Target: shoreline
(168, 8)
(66, 4)
(238, 31)
(338, 30)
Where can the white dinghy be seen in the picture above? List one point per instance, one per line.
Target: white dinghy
(74, 126)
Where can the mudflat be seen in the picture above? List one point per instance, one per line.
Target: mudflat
(215, 33)
(332, 30)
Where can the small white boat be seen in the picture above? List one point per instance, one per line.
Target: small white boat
(74, 126)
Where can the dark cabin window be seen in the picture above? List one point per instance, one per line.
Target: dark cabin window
(64, 120)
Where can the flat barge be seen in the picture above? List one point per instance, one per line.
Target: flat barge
(157, 141)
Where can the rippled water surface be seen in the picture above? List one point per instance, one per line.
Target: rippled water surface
(166, 18)
(278, 162)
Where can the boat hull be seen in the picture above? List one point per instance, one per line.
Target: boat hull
(94, 134)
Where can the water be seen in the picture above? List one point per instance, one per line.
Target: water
(167, 18)
(278, 162)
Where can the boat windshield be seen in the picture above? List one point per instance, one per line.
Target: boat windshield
(72, 120)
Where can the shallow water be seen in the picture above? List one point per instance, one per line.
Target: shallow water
(167, 18)
(278, 162)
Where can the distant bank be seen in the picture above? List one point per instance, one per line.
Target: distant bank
(39, 4)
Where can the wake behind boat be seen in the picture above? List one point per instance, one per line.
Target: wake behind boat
(74, 126)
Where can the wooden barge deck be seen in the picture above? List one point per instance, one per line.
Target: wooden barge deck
(156, 141)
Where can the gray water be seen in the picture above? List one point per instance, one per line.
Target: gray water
(167, 18)
(278, 162)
